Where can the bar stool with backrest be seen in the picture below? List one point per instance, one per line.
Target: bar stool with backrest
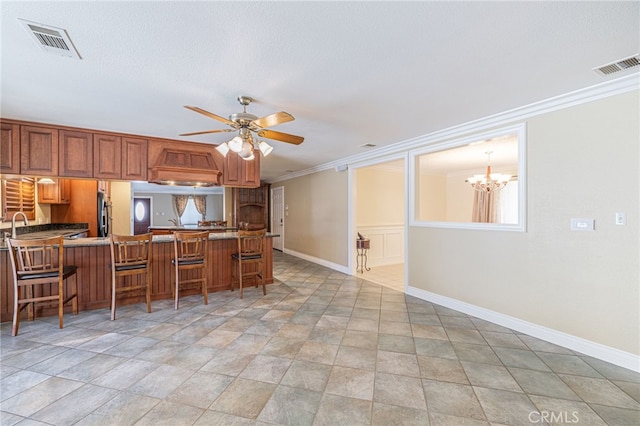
(130, 258)
(40, 262)
(250, 254)
(190, 256)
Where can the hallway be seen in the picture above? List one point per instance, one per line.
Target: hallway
(321, 348)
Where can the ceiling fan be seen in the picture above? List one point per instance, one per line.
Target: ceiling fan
(247, 125)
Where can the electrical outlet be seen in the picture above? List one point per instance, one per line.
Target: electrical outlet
(621, 218)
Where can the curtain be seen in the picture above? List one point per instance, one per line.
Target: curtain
(486, 206)
(201, 204)
(180, 203)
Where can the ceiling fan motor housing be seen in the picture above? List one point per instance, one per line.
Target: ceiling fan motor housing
(242, 118)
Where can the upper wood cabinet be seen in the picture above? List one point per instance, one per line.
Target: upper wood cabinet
(35, 149)
(76, 154)
(55, 193)
(38, 151)
(107, 156)
(134, 158)
(241, 173)
(10, 148)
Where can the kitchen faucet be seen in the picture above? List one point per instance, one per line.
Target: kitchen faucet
(13, 223)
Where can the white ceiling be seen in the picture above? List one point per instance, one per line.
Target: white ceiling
(350, 72)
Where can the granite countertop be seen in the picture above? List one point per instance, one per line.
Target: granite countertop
(48, 230)
(192, 227)
(103, 241)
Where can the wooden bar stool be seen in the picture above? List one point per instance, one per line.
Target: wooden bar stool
(250, 254)
(189, 254)
(130, 257)
(40, 262)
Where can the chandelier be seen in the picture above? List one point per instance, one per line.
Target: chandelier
(490, 181)
(244, 145)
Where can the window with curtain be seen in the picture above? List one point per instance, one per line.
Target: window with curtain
(191, 216)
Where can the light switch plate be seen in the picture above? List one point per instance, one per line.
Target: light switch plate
(583, 224)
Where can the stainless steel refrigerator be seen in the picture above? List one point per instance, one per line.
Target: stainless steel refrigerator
(104, 215)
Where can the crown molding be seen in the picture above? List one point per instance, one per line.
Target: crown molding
(589, 94)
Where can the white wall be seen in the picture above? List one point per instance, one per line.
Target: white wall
(121, 208)
(316, 221)
(582, 162)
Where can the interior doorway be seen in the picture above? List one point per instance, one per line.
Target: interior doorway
(277, 217)
(379, 200)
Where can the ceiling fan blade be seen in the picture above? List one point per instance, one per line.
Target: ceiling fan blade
(272, 120)
(279, 136)
(211, 115)
(206, 131)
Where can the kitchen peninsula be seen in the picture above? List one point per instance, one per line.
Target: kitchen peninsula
(92, 257)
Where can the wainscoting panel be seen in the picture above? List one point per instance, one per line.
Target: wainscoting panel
(387, 244)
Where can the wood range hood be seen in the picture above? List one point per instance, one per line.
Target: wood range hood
(185, 168)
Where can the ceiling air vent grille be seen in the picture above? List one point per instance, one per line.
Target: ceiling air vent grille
(51, 39)
(618, 66)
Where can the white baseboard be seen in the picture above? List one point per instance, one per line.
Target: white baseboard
(578, 344)
(323, 262)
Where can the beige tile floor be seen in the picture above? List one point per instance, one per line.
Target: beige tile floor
(391, 276)
(321, 348)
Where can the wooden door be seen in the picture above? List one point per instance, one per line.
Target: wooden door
(277, 217)
(10, 148)
(76, 154)
(141, 215)
(38, 151)
(107, 156)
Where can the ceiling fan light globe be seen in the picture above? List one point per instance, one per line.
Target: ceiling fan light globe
(249, 158)
(265, 148)
(246, 151)
(235, 144)
(223, 149)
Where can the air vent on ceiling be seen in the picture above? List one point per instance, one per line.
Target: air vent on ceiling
(51, 39)
(621, 65)
(367, 145)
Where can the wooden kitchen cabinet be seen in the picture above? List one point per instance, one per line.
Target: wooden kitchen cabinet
(9, 148)
(38, 151)
(76, 154)
(252, 206)
(107, 156)
(241, 173)
(134, 158)
(58, 192)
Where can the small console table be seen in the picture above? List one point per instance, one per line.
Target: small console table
(362, 246)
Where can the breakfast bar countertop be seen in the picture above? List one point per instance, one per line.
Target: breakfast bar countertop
(101, 241)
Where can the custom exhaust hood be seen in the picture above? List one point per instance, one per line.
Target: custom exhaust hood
(184, 168)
